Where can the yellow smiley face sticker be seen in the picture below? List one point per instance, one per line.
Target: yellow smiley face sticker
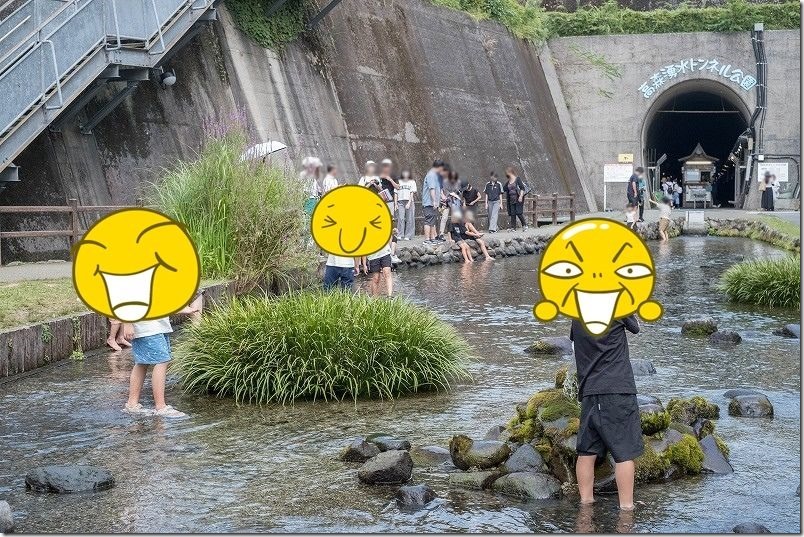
(595, 271)
(351, 221)
(136, 264)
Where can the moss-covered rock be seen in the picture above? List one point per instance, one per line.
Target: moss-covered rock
(654, 419)
(650, 466)
(703, 427)
(525, 430)
(699, 327)
(561, 376)
(550, 345)
(722, 446)
(482, 454)
(686, 411)
(686, 454)
(552, 404)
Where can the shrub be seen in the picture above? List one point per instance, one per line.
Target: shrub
(766, 282)
(270, 32)
(245, 217)
(319, 345)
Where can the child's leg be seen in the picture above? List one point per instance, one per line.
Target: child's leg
(585, 474)
(158, 383)
(624, 474)
(467, 253)
(135, 384)
(483, 249)
(389, 280)
(114, 329)
(374, 287)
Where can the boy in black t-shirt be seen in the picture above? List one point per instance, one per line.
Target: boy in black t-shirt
(609, 410)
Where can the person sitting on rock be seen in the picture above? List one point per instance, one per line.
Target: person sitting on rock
(609, 410)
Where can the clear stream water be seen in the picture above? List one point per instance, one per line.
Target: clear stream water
(230, 468)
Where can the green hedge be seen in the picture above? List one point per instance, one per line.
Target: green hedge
(532, 22)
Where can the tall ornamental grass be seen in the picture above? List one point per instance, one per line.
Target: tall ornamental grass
(767, 282)
(245, 217)
(317, 345)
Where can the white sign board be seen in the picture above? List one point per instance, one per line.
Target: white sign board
(617, 173)
(779, 169)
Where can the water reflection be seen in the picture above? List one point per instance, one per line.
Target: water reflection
(246, 468)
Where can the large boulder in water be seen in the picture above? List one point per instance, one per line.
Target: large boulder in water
(751, 406)
(359, 451)
(699, 327)
(429, 456)
(686, 411)
(642, 368)
(731, 394)
(524, 459)
(750, 527)
(414, 496)
(552, 345)
(714, 461)
(388, 468)
(725, 339)
(66, 479)
(6, 518)
(528, 485)
(482, 454)
(789, 330)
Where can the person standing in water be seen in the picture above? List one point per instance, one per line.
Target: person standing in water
(609, 420)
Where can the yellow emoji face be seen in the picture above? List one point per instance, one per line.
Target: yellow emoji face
(351, 221)
(595, 271)
(136, 264)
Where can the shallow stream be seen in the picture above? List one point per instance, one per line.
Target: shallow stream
(241, 469)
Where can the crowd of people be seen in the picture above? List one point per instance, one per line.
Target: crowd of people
(449, 204)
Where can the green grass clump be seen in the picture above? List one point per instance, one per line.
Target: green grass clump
(766, 282)
(270, 32)
(315, 345)
(245, 217)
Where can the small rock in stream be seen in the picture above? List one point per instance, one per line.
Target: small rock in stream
(67, 479)
(528, 485)
(726, 338)
(6, 518)
(359, 451)
(751, 406)
(482, 454)
(388, 468)
(388, 442)
(552, 345)
(429, 456)
(699, 327)
(790, 331)
(642, 368)
(414, 496)
(750, 527)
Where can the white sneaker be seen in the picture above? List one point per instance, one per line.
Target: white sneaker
(395, 259)
(170, 412)
(137, 409)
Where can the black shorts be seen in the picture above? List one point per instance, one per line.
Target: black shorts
(430, 216)
(610, 422)
(376, 265)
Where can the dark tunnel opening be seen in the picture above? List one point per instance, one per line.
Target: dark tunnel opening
(692, 117)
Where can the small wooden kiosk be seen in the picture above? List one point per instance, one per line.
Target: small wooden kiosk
(697, 169)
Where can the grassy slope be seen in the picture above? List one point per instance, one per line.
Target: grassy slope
(24, 303)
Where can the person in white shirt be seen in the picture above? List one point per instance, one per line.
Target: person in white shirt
(310, 181)
(406, 206)
(340, 272)
(369, 174)
(665, 209)
(331, 179)
(630, 215)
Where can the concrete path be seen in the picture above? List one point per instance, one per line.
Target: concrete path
(63, 269)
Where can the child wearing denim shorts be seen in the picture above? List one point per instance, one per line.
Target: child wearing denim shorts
(151, 347)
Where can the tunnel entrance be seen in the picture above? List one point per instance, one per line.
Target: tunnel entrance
(696, 112)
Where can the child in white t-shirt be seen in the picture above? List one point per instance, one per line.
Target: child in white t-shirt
(630, 215)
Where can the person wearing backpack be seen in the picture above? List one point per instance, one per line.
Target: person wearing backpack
(515, 190)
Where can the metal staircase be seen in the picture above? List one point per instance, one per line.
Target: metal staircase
(52, 50)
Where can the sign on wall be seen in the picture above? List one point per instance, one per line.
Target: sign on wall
(739, 77)
(779, 169)
(625, 158)
(617, 173)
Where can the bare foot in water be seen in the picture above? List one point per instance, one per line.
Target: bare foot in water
(113, 344)
(123, 342)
